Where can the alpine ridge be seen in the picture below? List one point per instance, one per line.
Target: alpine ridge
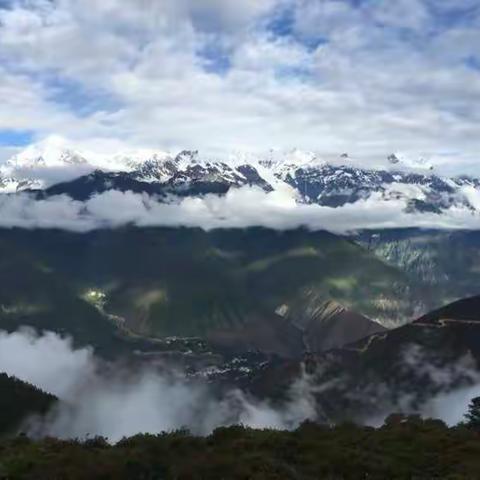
(53, 168)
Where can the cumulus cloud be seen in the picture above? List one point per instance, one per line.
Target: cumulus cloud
(47, 361)
(114, 402)
(239, 208)
(331, 76)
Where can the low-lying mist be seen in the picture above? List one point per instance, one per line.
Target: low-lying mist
(429, 385)
(114, 401)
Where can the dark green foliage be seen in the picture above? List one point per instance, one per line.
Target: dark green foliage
(404, 448)
(473, 414)
(19, 400)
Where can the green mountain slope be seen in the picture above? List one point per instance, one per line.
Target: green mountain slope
(19, 400)
(34, 294)
(252, 288)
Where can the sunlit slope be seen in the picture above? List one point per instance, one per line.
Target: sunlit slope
(188, 282)
(33, 293)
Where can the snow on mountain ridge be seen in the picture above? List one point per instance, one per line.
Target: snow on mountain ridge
(55, 151)
(305, 176)
(403, 160)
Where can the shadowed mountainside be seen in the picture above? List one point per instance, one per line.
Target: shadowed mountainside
(448, 261)
(252, 289)
(19, 400)
(398, 370)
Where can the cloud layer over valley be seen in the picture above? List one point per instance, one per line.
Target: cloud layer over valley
(114, 402)
(239, 208)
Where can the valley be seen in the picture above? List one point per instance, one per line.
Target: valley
(253, 290)
(239, 240)
(252, 309)
(321, 318)
(406, 369)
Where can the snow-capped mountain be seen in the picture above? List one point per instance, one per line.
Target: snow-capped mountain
(398, 159)
(53, 160)
(53, 168)
(335, 186)
(42, 164)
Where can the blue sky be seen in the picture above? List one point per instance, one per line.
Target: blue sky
(15, 138)
(364, 76)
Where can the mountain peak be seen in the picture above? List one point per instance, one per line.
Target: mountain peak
(402, 160)
(51, 152)
(187, 157)
(133, 159)
(55, 151)
(281, 159)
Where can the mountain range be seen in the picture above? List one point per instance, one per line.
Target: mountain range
(239, 290)
(256, 307)
(448, 261)
(52, 168)
(409, 369)
(242, 290)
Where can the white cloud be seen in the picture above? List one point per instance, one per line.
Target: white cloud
(446, 387)
(113, 400)
(47, 361)
(239, 208)
(411, 14)
(472, 195)
(110, 400)
(387, 76)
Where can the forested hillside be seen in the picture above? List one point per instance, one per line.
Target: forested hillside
(18, 400)
(404, 448)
